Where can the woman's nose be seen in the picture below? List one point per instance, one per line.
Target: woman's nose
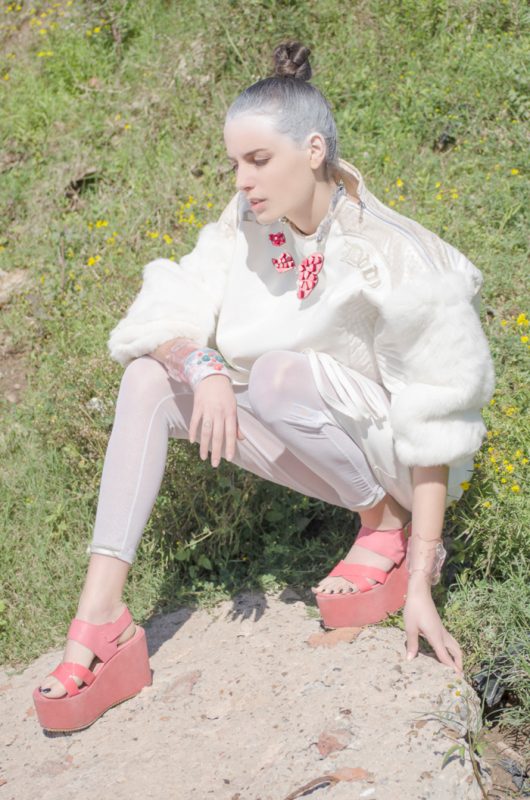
(244, 180)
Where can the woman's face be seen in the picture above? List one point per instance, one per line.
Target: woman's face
(269, 167)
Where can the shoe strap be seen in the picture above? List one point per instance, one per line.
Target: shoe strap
(390, 543)
(66, 670)
(101, 639)
(358, 571)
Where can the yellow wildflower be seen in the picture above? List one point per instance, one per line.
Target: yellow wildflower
(515, 171)
(399, 182)
(504, 322)
(439, 196)
(401, 197)
(437, 184)
(167, 238)
(486, 504)
(392, 203)
(465, 485)
(516, 488)
(455, 195)
(524, 339)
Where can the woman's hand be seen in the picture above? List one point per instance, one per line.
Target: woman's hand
(421, 617)
(215, 404)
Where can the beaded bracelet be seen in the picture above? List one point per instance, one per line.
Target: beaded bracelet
(440, 554)
(201, 363)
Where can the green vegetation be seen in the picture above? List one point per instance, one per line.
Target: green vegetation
(112, 155)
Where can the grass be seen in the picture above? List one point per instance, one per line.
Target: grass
(112, 155)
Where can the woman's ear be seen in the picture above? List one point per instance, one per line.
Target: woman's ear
(316, 148)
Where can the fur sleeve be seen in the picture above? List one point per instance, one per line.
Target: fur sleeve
(179, 299)
(435, 360)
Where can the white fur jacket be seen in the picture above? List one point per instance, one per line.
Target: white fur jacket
(394, 302)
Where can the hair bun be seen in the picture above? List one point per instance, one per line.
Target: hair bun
(291, 59)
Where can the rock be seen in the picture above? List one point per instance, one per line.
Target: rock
(254, 716)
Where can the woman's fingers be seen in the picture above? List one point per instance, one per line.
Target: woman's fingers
(454, 649)
(445, 646)
(412, 643)
(217, 439)
(230, 433)
(216, 412)
(207, 426)
(194, 422)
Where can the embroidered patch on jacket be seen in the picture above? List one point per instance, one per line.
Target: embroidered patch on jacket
(355, 255)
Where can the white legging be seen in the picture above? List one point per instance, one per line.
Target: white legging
(291, 438)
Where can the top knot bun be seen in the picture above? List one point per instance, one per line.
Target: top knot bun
(291, 59)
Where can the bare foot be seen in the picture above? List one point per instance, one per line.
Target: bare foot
(78, 653)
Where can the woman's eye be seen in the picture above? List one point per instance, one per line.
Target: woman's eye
(257, 162)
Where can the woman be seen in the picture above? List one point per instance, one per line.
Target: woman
(349, 364)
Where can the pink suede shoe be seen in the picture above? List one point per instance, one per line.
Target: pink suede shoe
(120, 674)
(373, 602)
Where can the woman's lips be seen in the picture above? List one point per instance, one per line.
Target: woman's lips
(255, 204)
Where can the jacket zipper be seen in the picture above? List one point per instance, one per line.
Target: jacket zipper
(405, 232)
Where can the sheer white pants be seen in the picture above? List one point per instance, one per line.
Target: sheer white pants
(291, 438)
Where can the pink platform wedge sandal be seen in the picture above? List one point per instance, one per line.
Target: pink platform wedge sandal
(373, 601)
(122, 672)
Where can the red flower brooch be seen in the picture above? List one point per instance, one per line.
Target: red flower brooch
(308, 269)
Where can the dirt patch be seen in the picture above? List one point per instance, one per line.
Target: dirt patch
(12, 374)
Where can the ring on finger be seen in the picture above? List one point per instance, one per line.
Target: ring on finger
(207, 424)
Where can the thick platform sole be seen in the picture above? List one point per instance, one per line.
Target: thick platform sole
(355, 609)
(118, 679)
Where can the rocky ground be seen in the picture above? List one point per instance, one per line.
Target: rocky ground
(254, 701)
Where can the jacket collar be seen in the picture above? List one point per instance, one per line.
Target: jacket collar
(352, 179)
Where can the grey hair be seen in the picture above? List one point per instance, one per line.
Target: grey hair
(296, 107)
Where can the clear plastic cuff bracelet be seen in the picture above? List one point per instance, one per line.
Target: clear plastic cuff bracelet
(435, 560)
(201, 363)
